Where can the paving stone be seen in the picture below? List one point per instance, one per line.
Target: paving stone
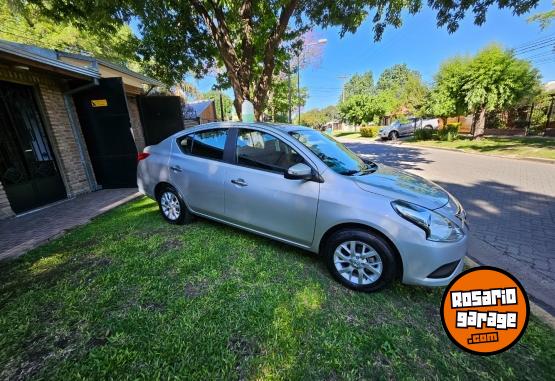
(510, 203)
(23, 233)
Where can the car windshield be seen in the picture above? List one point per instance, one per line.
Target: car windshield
(334, 154)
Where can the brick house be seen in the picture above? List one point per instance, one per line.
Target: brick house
(69, 124)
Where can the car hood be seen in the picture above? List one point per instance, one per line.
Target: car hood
(401, 185)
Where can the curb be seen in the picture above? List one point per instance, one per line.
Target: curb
(535, 309)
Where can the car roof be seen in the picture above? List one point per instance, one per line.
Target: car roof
(283, 127)
(276, 127)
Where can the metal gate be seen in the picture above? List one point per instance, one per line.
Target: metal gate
(161, 116)
(28, 170)
(104, 119)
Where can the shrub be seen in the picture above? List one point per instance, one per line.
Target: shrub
(423, 134)
(449, 132)
(369, 132)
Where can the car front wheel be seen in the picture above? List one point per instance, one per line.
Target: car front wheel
(360, 260)
(173, 208)
(393, 135)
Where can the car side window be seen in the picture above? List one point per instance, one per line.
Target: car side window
(185, 143)
(208, 144)
(257, 149)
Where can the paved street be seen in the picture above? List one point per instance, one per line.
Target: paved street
(510, 203)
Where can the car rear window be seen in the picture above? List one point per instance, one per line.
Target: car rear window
(208, 144)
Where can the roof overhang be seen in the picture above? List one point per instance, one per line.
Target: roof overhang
(23, 57)
(143, 78)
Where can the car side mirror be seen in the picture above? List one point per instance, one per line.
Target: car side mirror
(299, 171)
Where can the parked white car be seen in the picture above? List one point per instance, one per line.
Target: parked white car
(397, 129)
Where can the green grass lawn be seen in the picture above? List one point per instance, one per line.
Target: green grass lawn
(130, 296)
(345, 134)
(514, 146)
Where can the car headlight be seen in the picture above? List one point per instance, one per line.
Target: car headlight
(437, 227)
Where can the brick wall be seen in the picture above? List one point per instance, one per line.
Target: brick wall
(73, 170)
(58, 129)
(136, 126)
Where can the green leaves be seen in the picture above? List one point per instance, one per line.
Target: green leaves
(447, 97)
(399, 90)
(493, 79)
(359, 84)
(316, 118)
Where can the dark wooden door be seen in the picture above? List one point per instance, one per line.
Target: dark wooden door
(106, 127)
(161, 116)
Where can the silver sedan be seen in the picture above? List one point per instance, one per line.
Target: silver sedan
(370, 223)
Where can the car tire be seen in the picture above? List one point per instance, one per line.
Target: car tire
(172, 207)
(380, 257)
(428, 127)
(393, 135)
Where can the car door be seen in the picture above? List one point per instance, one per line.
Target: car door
(259, 197)
(408, 127)
(197, 169)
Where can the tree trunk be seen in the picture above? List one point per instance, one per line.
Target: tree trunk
(239, 63)
(479, 124)
(444, 120)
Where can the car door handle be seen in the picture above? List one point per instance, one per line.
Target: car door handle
(176, 168)
(240, 182)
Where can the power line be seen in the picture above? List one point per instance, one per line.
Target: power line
(547, 44)
(533, 42)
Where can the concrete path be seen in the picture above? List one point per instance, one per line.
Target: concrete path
(510, 203)
(23, 233)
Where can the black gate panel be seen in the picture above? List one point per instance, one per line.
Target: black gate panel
(28, 170)
(161, 116)
(104, 119)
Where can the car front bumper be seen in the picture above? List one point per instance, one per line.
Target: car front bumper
(433, 263)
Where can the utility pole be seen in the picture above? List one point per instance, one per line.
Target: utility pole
(289, 95)
(343, 78)
(321, 41)
(221, 105)
(299, 88)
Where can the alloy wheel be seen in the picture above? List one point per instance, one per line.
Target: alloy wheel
(170, 205)
(358, 262)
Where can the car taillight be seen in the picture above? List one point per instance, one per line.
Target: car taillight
(142, 156)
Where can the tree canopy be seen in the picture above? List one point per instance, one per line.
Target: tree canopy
(544, 18)
(358, 84)
(252, 39)
(277, 108)
(317, 118)
(446, 98)
(399, 91)
(35, 29)
(403, 88)
(493, 79)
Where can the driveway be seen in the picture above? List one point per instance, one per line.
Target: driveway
(23, 233)
(510, 203)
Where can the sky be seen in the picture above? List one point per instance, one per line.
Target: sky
(419, 43)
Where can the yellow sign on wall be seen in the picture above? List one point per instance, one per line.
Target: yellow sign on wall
(99, 102)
